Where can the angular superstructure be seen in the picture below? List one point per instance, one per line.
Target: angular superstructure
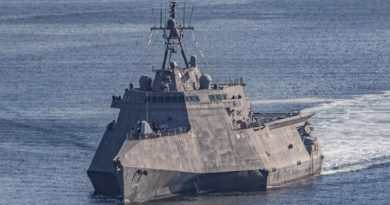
(182, 133)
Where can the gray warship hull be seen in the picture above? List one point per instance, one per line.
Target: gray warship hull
(179, 133)
(282, 150)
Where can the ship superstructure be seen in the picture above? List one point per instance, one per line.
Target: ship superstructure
(181, 133)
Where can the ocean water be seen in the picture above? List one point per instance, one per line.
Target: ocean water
(61, 61)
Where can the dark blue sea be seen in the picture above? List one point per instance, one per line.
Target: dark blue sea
(61, 61)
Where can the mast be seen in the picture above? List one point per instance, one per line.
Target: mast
(173, 41)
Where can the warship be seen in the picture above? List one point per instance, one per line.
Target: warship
(180, 133)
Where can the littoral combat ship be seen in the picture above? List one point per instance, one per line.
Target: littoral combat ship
(180, 133)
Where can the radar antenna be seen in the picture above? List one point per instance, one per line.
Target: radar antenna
(173, 40)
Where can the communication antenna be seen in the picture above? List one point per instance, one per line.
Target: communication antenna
(160, 15)
(192, 11)
(147, 107)
(165, 15)
(184, 14)
(154, 19)
(172, 33)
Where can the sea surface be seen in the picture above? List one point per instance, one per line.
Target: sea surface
(61, 61)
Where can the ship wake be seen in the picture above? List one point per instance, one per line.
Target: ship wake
(354, 132)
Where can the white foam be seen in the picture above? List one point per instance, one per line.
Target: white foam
(355, 132)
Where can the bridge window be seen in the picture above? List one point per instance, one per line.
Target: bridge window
(193, 98)
(164, 98)
(217, 97)
(212, 98)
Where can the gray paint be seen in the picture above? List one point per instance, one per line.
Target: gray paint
(203, 139)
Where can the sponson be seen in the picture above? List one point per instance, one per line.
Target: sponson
(181, 133)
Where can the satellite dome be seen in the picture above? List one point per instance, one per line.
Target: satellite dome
(145, 82)
(205, 81)
(193, 61)
(171, 23)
